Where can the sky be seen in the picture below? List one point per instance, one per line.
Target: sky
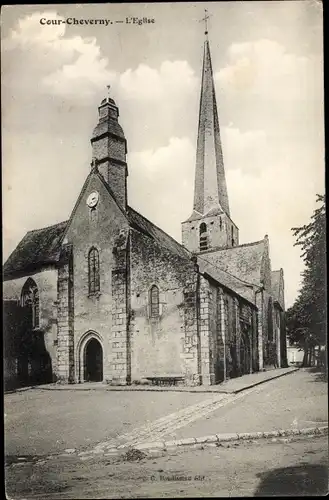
(267, 61)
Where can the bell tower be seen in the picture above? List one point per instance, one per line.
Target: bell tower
(210, 225)
(109, 149)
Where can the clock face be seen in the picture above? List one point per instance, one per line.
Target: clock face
(92, 199)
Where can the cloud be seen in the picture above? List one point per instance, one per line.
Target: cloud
(244, 150)
(59, 63)
(171, 79)
(264, 66)
(166, 175)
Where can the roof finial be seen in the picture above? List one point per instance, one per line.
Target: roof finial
(205, 19)
(108, 90)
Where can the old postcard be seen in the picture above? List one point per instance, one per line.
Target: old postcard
(164, 250)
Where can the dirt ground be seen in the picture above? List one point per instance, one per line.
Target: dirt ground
(258, 468)
(40, 422)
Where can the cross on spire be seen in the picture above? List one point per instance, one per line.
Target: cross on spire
(205, 19)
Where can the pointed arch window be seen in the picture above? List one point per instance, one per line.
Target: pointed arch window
(30, 300)
(154, 302)
(203, 235)
(93, 271)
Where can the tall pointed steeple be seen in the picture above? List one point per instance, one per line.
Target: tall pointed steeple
(210, 190)
(210, 226)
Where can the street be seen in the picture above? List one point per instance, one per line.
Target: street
(40, 422)
(46, 430)
(261, 468)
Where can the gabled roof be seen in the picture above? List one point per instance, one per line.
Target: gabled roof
(277, 286)
(38, 248)
(243, 261)
(137, 221)
(42, 246)
(275, 277)
(225, 279)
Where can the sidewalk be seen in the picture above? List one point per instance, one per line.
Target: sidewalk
(232, 386)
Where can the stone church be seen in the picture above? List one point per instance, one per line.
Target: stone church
(108, 296)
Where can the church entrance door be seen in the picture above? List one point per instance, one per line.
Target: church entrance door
(244, 355)
(93, 361)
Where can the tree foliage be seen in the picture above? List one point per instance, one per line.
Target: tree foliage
(306, 319)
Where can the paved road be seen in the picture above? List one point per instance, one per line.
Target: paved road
(262, 468)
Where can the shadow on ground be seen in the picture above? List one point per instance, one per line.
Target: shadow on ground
(300, 480)
(320, 374)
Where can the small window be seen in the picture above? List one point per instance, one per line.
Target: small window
(93, 214)
(232, 236)
(30, 300)
(154, 302)
(220, 223)
(93, 271)
(203, 237)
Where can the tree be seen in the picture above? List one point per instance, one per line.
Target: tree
(306, 319)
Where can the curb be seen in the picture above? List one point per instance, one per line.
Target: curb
(262, 381)
(154, 447)
(223, 438)
(149, 389)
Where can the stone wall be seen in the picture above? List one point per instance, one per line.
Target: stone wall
(121, 355)
(167, 344)
(219, 231)
(46, 281)
(65, 317)
(94, 313)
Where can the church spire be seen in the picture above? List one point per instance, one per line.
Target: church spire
(210, 226)
(210, 190)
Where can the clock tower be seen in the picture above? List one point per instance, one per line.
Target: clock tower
(109, 149)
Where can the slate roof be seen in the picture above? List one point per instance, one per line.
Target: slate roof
(227, 280)
(243, 261)
(38, 247)
(42, 246)
(137, 221)
(275, 280)
(112, 126)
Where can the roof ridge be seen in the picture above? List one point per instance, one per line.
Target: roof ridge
(250, 244)
(47, 227)
(162, 231)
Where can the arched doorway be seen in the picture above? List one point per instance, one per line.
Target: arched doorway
(244, 354)
(93, 361)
